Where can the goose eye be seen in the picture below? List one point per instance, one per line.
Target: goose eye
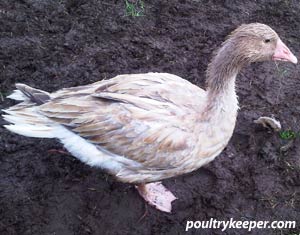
(267, 40)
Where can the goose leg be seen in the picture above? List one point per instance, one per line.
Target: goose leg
(157, 195)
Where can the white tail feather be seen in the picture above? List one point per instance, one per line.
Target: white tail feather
(28, 122)
(14, 119)
(18, 95)
(32, 130)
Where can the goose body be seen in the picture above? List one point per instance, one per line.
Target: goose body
(148, 127)
(143, 128)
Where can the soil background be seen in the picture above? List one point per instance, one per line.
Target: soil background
(50, 44)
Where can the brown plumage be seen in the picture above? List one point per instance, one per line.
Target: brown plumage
(147, 127)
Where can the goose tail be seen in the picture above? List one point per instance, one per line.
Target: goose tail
(25, 118)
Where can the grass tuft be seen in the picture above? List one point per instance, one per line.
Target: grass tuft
(288, 134)
(135, 8)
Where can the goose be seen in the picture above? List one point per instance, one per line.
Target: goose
(143, 128)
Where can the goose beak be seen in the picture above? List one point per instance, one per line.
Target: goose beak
(283, 53)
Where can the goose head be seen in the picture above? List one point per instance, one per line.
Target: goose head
(258, 42)
(248, 43)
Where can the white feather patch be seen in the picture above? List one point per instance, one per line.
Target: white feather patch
(38, 131)
(89, 153)
(18, 95)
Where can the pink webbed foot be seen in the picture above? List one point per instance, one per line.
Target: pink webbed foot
(157, 195)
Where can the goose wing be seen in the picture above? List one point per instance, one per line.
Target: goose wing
(148, 118)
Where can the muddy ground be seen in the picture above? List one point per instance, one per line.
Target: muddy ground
(54, 44)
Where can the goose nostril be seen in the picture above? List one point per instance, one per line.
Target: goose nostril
(286, 51)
